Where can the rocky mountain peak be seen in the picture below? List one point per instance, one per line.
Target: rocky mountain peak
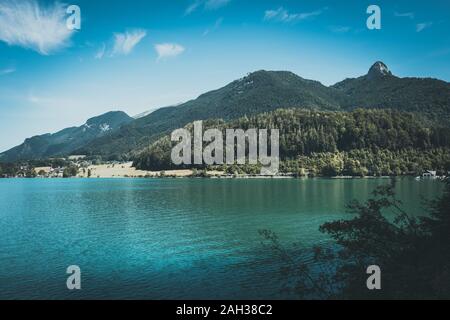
(378, 70)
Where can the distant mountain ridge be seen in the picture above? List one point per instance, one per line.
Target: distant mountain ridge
(380, 89)
(266, 91)
(258, 92)
(67, 140)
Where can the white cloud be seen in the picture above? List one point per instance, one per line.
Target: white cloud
(282, 15)
(7, 71)
(167, 50)
(26, 24)
(410, 15)
(124, 43)
(206, 5)
(422, 26)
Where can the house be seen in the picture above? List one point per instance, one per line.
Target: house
(56, 173)
(429, 174)
(76, 157)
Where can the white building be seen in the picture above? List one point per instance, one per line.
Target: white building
(429, 174)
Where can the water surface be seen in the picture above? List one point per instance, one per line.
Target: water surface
(166, 239)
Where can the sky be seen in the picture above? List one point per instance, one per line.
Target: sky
(140, 55)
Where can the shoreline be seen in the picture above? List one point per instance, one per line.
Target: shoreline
(127, 171)
(225, 177)
(232, 177)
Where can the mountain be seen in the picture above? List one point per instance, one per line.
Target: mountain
(379, 88)
(265, 91)
(260, 92)
(378, 70)
(66, 141)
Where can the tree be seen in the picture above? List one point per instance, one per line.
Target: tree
(413, 253)
(70, 171)
(30, 173)
(362, 142)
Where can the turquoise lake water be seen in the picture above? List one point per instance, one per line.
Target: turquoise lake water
(166, 238)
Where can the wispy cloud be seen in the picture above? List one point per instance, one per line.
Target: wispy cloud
(283, 15)
(216, 26)
(121, 44)
(216, 4)
(26, 24)
(206, 5)
(422, 26)
(34, 99)
(7, 71)
(124, 43)
(439, 53)
(410, 15)
(100, 52)
(168, 50)
(193, 7)
(340, 29)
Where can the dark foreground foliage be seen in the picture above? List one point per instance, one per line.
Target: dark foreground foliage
(413, 253)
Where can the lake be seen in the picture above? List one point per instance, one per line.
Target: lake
(167, 238)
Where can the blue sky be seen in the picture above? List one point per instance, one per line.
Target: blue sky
(138, 55)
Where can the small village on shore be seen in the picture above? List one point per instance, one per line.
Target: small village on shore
(79, 166)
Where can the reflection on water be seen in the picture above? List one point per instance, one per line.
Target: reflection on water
(158, 239)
